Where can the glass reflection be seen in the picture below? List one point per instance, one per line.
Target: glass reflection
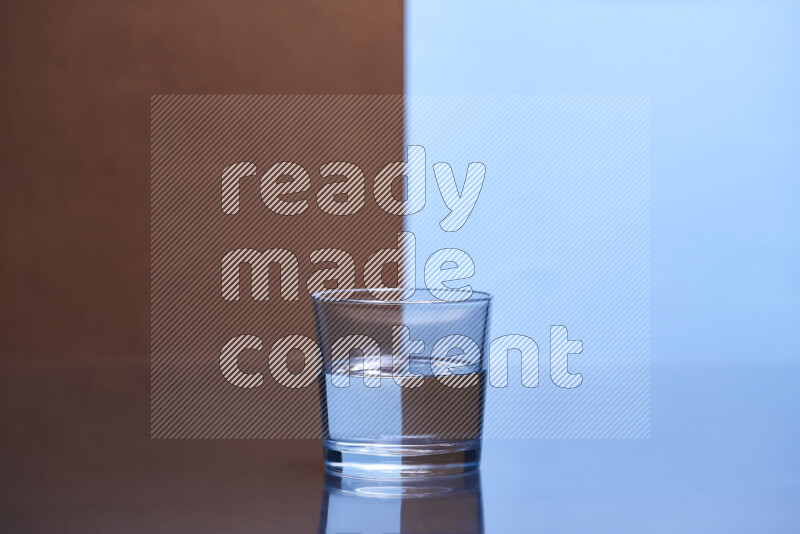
(434, 505)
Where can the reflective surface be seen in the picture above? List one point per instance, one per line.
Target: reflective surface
(442, 504)
(77, 458)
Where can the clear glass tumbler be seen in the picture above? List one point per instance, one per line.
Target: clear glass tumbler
(404, 381)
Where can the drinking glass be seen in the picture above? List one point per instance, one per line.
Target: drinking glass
(404, 380)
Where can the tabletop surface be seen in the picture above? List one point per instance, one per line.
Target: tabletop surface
(78, 458)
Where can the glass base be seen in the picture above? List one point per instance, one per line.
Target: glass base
(399, 460)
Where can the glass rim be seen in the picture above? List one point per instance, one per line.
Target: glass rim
(329, 295)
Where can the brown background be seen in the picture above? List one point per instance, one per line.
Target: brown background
(77, 77)
(193, 140)
(77, 82)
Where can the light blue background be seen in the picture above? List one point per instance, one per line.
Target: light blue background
(560, 236)
(723, 80)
